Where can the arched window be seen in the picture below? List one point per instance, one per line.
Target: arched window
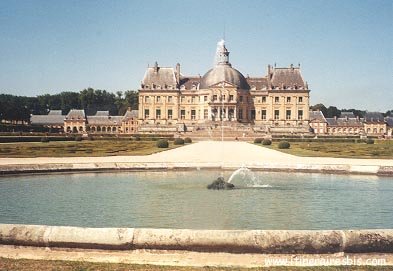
(104, 129)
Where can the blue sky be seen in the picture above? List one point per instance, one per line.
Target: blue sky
(345, 47)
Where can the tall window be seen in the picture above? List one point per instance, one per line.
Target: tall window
(193, 114)
(169, 99)
(300, 114)
(288, 99)
(147, 99)
(240, 113)
(253, 114)
(230, 98)
(146, 113)
(182, 99)
(192, 99)
(158, 99)
(182, 114)
(170, 114)
(300, 99)
(205, 98)
(158, 114)
(276, 99)
(264, 99)
(263, 114)
(288, 115)
(276, 114)
(205, 114)
(240, 99)
(214, 97)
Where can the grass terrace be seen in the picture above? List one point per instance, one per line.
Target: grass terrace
(381, 149)
(80, 148)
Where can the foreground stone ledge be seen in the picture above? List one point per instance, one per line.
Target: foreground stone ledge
(232, 241)
(130, 166)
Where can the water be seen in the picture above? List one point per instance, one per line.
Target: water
(181, 200)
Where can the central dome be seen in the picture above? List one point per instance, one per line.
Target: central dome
(224, 73)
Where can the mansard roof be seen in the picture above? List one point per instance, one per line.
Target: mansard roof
(287, 77)
(190, 81)
(317, 116)
(55, 112)
(159, 76)
(257, 82)
(104, 120)
(347, 115)
(389, 121)
(373, 117)
(50, 119)
(76, 114)
(347, 122)
(131, 114)
(102, 113)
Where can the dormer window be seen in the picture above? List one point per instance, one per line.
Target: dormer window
(193, 87)
(253, 87)
(182, 87)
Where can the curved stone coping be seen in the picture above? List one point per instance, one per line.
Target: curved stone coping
(105, 166)
(233, 241)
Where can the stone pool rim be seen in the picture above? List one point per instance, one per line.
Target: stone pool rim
(16, 169)
(232, 241)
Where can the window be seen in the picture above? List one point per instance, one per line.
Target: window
(146, 113)
(263, 114)
(192, 99)
(193, 114)
(288, 99)
(147, 99)
(230, 98)
(276, 114)
(264, 99)
(158, 99)
(288, 115)
(300, 99)
(169, 99)
(182, 114)
(205, 98)
(182, 99)
(240, 113)
(205, 114)
(170, 114)
(276, 99)
(253, 114)
(300, 114)
(241, 99)
(214, 97)
(158, 113)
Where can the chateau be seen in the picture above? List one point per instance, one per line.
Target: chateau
(171, 101)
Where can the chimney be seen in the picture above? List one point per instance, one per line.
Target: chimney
(156, 67)
(178, 73)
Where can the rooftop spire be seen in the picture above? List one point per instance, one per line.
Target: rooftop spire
(222, 54)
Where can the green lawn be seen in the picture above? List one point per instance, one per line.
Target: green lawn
(80, 148)
(25, 265)
(381, 149)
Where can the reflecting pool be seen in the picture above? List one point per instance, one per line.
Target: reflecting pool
(179, 199)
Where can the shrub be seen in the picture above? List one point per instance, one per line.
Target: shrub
(91, 138)
(162, 143)
(187, 140)
(258, 140)
(137, 138)
(78, 138)
(369, 141)
(284, 145)
(44, 139)
(266, 142)
(179, 141)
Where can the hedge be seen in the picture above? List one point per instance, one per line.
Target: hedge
(266, 142)
(187, 140)
(258, 140)
(178, 141)
(284, 145)
(162, 143)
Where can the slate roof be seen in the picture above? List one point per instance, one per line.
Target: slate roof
(350, 122)
(50, 119)
(104, 120)
(317, 116)
(347, 115)
(373, 117)
(131, 114)
(55, 112)
(159, 76)
(189, 81)
(389, 121)
(287, 77)
(102, 113)
(76, 114)
(257, 82)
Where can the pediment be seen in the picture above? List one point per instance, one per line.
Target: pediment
(224, 84)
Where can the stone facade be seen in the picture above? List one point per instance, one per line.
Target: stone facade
(278, 101)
